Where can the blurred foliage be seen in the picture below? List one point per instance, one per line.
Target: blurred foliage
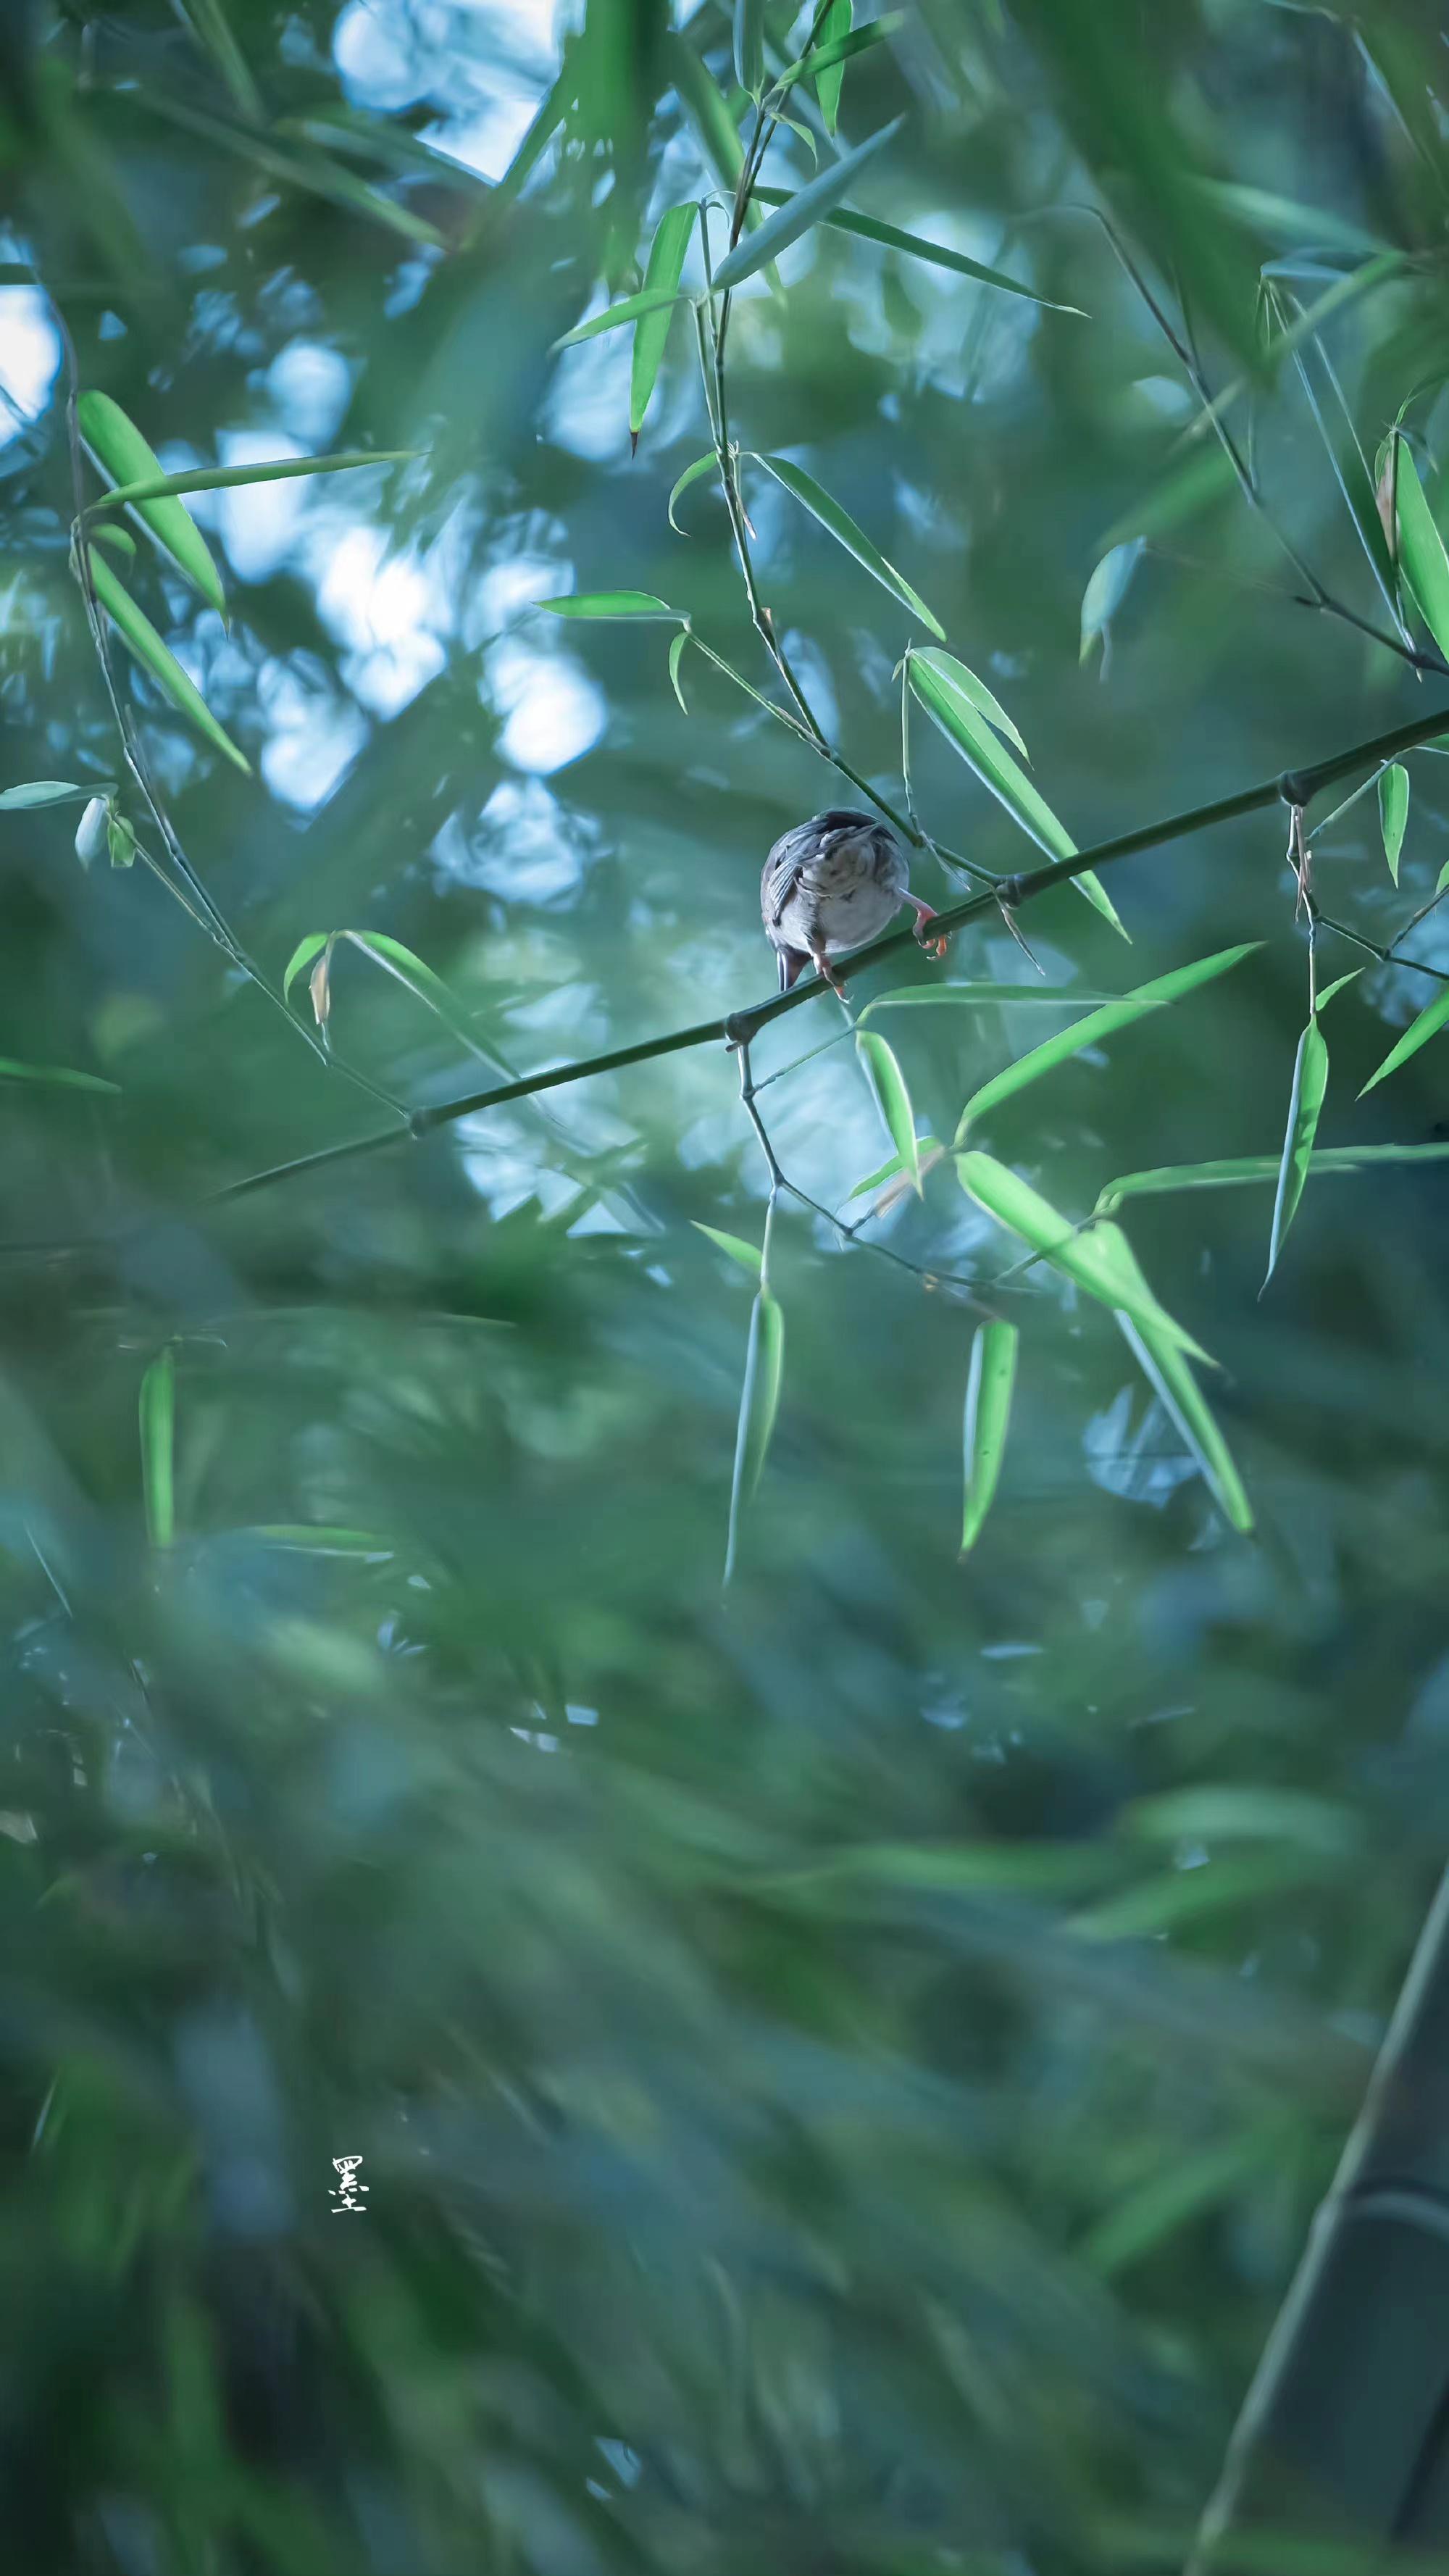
(843, 2066)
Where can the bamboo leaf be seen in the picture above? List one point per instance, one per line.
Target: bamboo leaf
(989, 1387)
(212, 29)
(676, 656)
(301, 957)
(952, 712)
(123, 454)
(889, 1085)
(1243, 1170)
(807, 207)
(1282, 219)
(692, 473)
(613, 603)
(1418, 1033)
(312, 171)
(40, 791)
(1093, 1258)
(1101, 1024)
(93, 832)
(1179, 2193)
(1202, 476)
(634, 308)
(139, 633)
(707, 113)
(744, 1253)
(1305, 1101)
(1165, 1367)
(158, 1441)
(915, 246)
(1337, 986)
(759, 1406)
(813, 497)
(1105, 592)
(749, 45)
(1421, 549)
(410, 969)
(662, 276)
(1393, 812)
(226, 478)
(120, 540)
(1052, 997)
(974, 691)
(829, 72)
(927, 1150)
(11, 1070)
(315, 1538)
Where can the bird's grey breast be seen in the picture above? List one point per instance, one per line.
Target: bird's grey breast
(832, 883)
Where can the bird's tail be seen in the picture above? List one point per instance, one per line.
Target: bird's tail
(792, 963)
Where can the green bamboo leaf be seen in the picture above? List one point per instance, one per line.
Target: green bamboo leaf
(139, 633)
(914, 246)
(759, 1406)
(212, 30)
(1052, 997)
(746, 1254)
(953, 714)
(338, 128)
(1350, 468)
(1182, 2191)
(1283, 220)
(1240, 1171)
(123, 454)
(1418, 1033)
(552, 111)
(1202, 476)
(226, 478)
(120, 540)
(120, 840)
(828, 74)
(662, 276)
(315, 1538)
(1165, 1367)
(1101, 1024)
(692, 473)
(614, 603)
(1309, 320)
(1162, 1903)
(749, 45)
(301, 957)
(93, 832)
(11, 1070)
(1339, 981)
(1105, 592)
(158, 1442)
(889, 1085)
(312, 171)
(1096, 1259)
(989, 1387)
(1305, 1101)
(634, 308)
(411, 970)
(808, 206)
(716, 128)
(1421, 548)
(813, 497)
(1393, 812)
(956, 676)
(41, 791)
(676, 656)
(927, 1147)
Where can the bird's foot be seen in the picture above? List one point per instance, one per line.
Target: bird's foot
(823, 967)
(934, 946)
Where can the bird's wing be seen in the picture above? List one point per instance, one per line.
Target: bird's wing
(781, 876)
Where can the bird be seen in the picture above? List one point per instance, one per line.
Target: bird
(829, 886)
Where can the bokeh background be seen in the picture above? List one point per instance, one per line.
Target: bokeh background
(843, 2065)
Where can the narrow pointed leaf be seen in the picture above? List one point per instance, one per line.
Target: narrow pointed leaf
(1203, 476)
(707, 112)
(889, 1085)
(61, 1075)
(988, 1414)
(692, 473)
(120, 540)
(123, 454)
(1418, 1033)
(552, 111)
(41, 791)
(1305, 1101)
(1052, 997)
(313, 171)
(759, 1406)
(749, 45)
(227, 478)
(746, 1254)
(834, 28)
(1282, 219)
(808, 206)
(93, 832)
(1165, 1367)
(1337, 986)
(975, 691)
(1421, 549)
(1241, 1171)
(965, 729)
(613, 603)
(1105, 592)
(315, 1538)
(1394, 813)
(928, 1150)
(813, 497)
(411, 970)
(301, 957)
(1100, 1024)
(139, 633)
(634, 308)
(662, 276)
(915, 246)
(1092, 1257)
(158, 1439)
